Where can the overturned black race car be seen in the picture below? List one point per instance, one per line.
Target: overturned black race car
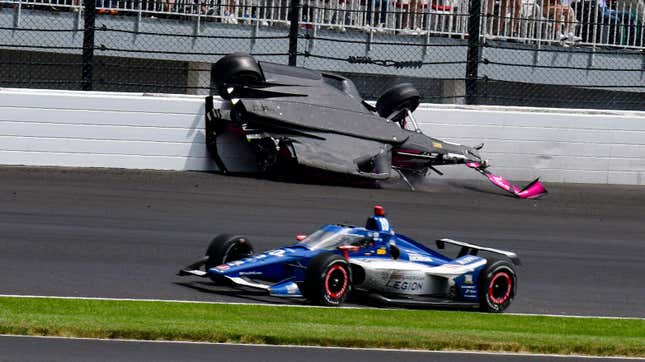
(298, 117)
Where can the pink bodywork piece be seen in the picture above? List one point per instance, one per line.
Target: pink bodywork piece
(531, 191)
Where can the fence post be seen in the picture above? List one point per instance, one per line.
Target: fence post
(474, 45)
(294, 10)
(88, 44)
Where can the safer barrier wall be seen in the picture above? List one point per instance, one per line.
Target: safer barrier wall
(92, 129)
(149, 131)
(576, 146)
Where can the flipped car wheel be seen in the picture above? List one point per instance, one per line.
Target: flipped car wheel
(235, 69)
(327, 280)
(497, 286)
(225, 248)
(400, 96)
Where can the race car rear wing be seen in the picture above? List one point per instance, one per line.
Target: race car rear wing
(472, 249)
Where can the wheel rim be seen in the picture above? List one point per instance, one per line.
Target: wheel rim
(499, 288)
(336, 281)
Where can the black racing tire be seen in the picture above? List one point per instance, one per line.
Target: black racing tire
(497, 285)
(236, 69)
(400, 96)
(327, 280)
(225, 248)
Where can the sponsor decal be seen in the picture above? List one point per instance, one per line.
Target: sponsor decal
(381, 251)
(468, 291)
(278, 252)
(235, 263)
(408, 277)
(385, 225)
(437, 145)
(404, 285)
(251, 273)
(419, 257)
(468, 279)
(467, 259)
(369, 261)
(222, 267)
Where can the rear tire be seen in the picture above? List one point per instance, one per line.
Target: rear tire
(400, 96)
(327, 280)
(225, 248)
(497, 286)
(235, 69)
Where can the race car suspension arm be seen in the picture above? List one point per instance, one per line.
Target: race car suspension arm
(194, 268)
(404, 178)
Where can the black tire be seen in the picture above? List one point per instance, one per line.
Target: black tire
(400, 96)
(497, 285)
(235, 69)
(327, 280)
(225, 248)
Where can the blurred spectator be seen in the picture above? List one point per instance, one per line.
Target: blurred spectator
(380, 16)
(621, 19)
(408, 18)
(341, 16)
(229, 13)
(107, 6)
(503, 7)
(416, 10)
(556, 10)
(609, 24)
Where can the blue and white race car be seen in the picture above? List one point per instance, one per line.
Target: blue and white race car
(336, 259)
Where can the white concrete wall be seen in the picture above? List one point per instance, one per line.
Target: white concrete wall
(93, 129)
(577, 146)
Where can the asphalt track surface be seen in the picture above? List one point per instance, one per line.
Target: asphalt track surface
(124, 234)
(30, 349)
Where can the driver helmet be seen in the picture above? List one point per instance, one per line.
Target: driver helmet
(378, 221)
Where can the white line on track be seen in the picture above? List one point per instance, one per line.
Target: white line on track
(331, 348)
(292, 305)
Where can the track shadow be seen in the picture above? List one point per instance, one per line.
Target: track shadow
(242, 293)
(357, 299)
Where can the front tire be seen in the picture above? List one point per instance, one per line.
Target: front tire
(327, 280)
(497, 286)
(235, 69)
(225, 248)
(401, 96)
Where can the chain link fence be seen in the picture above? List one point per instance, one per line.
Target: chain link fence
(544, 53)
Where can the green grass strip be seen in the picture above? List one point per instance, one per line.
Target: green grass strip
(413, 329)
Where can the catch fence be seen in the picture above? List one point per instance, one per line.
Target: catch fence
(587, 53)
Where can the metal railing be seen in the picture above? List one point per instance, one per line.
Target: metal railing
(590, 23)
(583, 22)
